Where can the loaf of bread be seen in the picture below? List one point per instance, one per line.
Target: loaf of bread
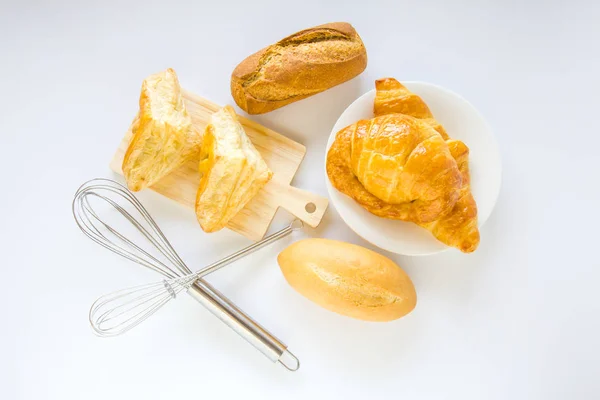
(348, 279)
(303, 64)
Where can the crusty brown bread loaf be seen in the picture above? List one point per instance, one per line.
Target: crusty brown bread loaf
(303, 64)
(348, 279)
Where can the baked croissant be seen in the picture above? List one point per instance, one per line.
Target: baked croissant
(232, 171)
(395, 166)
(162, 134)
(457, 228)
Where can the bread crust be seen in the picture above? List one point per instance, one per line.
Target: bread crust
(348, 279)
(298, 66)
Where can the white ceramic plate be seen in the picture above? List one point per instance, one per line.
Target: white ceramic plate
(462, 121)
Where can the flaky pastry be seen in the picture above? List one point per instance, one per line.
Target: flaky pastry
(457, 228)
(162, 134)
(232, 171)
(395, 166)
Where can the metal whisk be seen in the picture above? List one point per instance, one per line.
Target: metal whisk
(120, 311)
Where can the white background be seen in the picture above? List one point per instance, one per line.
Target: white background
(518, 319)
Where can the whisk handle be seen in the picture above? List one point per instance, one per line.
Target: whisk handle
(246, 327)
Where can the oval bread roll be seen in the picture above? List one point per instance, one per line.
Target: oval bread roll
(348, 279)
(302, 64)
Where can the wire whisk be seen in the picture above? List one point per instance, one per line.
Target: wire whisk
(117, 312)
(120, 311)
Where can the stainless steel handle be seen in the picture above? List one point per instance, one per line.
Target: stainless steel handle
(221, 307)
(224, 309)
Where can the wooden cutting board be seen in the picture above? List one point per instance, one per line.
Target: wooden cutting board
(282, 155)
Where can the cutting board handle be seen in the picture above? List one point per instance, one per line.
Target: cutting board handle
(307, 206)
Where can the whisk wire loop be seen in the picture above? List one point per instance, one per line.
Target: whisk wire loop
(111, 238)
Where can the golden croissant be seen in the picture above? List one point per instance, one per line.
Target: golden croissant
(458, 227)
(163, 138)
(395, 166)
(232, 171)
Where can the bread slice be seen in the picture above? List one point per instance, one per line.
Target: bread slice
(232, 171)
(162, 134)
